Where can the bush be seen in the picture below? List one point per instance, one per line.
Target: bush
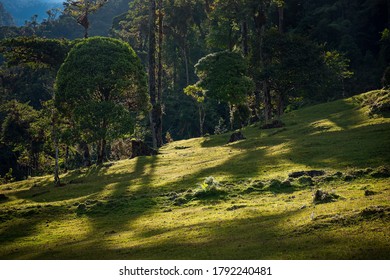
(209, 187)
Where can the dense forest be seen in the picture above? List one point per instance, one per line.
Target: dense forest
(179, 69)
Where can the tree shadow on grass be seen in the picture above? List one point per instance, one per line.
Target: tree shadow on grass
(256, 237)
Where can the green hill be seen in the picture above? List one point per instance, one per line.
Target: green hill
(155, 208)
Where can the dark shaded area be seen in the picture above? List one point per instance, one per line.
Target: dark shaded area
(236, 136)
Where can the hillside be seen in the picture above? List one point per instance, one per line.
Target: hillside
(154, 208)
(23, 10)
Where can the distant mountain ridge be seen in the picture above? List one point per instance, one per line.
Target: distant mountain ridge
(22, 10)
(5, 17)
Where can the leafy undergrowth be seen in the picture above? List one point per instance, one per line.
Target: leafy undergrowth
(316, 189)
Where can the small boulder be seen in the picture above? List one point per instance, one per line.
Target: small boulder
(310, 173)
(324, 197)
(368, 193)
(236, 136)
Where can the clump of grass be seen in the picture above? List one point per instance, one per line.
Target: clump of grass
(378, 102)
(209, 188)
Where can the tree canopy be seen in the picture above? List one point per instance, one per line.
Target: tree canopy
(100, 86)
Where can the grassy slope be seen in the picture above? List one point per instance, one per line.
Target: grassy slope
(130, 205)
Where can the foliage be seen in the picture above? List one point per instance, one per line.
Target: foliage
(81, 9)
(24, 131)
(99, 88)
(223, 75)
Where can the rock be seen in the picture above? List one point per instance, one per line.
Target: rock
(305, 181)
(324, 197)
(235, 207)
(3, 197)
(310, 173)
(381, 172)
(249, 190)
(179, 201)
(139, 148)
(273, 124)
(349, 178)
(315, 173)
(236, 136)
(296, 174)
(81, 208)
(368, 193)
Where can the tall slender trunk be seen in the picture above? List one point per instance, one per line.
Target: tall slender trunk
(280, 104)
(281, 18)
(186, 64)
(267, 101)
(152, 68)
(244, 32)
(101, 151)
(158, 111)
(86, 154)
(57, 181)
(66, 158)
(202, 116)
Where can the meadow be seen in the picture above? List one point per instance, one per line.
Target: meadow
(205, 199)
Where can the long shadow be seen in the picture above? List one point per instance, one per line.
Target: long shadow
(256, 237)
(116, 212)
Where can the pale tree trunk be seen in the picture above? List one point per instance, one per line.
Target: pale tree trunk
(57, 181)
(186, 63)
(202, 116)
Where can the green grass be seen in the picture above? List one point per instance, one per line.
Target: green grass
(148, 207)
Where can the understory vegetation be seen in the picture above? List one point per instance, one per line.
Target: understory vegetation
(318, 188)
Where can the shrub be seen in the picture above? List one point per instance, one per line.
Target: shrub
(209, 187)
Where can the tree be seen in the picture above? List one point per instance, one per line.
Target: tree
(293, 66)
(198, 94)
(81, 9)
(23, 129)
(100, 86)
(223, 76)
(34, 54)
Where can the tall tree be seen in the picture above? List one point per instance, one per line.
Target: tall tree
(81, 10)
(101, 85)
(39, 53)
(152, 71)
(224, 77)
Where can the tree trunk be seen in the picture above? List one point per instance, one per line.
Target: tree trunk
(202, 116)
(152, 67)
(244, 32)
(267, 101)
(281, 18)
(66, 158)
(86, 154)
(101, 151)
(186, 63)
(280, 104)
(57, 181)
(158, 111)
